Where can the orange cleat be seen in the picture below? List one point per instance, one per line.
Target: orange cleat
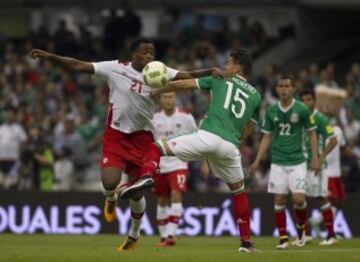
(110, 210)
(129, 245)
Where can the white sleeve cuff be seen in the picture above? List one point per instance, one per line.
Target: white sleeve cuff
(197, 83)
(265, 131)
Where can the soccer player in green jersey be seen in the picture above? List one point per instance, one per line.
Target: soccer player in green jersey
(233, 111)
(283, 128)
(317, 184)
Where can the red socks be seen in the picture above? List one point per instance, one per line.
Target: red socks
(328, 217)
(242, 215)
(301, 214)
(280, 220)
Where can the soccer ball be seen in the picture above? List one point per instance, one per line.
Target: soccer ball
(155, 74)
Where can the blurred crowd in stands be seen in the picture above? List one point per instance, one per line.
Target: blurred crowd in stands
(51, 120)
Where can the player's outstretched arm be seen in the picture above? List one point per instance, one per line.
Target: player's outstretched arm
(315, 164)
(264, 145)
(65, 62)
(328, 148)
(199, 73)
(174, 86)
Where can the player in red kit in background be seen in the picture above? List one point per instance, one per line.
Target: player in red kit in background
(128, 127)
(170, 181)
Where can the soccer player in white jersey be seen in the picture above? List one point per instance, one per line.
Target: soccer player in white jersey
(317, 184)
(128, 127)
(336, 188)
(170, 181)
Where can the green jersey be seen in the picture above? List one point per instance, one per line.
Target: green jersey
(286, 127)
(233, 103)
(323, 131)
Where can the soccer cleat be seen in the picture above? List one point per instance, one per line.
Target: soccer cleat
(308, 239)
(143, 183)
(328, 242)
(170, 241)
(162, 243)
(301, 239)
(283, 243)
(110, 210)
(128, 245)
(247, 247)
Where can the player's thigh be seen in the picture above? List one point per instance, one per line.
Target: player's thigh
(177, 181)
(278, 180)
(161, 186)
(188, 147)
(317, 185)
(229, 172)
(298, 178)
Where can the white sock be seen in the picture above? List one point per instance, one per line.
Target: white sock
(110, 194)
(334, 210)
(137, 211)
(174, 217)
(162, 216)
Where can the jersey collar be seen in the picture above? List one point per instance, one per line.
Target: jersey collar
(288, 108)
(315, 111)
(241, 77)
(176, 111)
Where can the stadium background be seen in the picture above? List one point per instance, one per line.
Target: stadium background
(62, 114)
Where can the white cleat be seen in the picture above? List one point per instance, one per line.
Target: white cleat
(300, 242)
(308, 239)
(328, 242)
(248, 250)
(282, 246)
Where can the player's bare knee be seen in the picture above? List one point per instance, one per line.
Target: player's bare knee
(237, 187)
(299, 199)
(322, 201)
(110, 178)
(176, 196)
(163, 201)
(280, 199)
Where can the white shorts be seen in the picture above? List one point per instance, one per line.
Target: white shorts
(317, 186)
(287, 178)
(223, 157)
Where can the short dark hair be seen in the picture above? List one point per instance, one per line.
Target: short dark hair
(242, 57)
(286, 77)
(306, 92)
(136, 42)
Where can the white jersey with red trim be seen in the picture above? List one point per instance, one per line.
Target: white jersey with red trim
(333, 168)
(132, 107)
(165, 126)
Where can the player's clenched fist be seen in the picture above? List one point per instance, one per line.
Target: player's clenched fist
(37, 53)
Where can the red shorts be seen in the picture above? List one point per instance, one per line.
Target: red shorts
(336, 188)
(172, 181)
(125, 151)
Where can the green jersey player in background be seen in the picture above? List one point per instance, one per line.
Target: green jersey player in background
(283, 128)
(233, 112)
(317, 184)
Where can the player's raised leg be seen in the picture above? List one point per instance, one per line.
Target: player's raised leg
(151, 159)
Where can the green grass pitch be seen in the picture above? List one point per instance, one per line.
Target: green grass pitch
(220, 249)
